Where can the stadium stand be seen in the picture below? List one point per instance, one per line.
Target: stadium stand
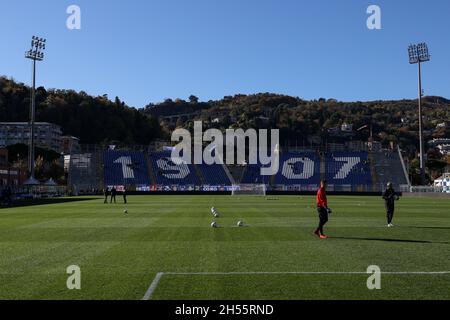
(348, 169)
(343, 170)
(214, 174)
(298, 171)
(236, 172)
(252, 174)
(84, 174)
(125, 168)
(298, 168)
(168, 173)
(387, 167)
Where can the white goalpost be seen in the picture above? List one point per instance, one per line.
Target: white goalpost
(248, 190)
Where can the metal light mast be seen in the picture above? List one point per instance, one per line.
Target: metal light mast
(36, 53)
(418, 53)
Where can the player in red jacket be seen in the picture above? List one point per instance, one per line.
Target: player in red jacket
(322, 209)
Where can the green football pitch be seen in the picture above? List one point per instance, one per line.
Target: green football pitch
(164, 248)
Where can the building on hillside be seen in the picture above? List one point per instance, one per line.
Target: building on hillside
(10, 176)
(442, 144)
(70, 144)
(444, 149)
(443, 182)
(436, 142)
(346, 127)
(47, 135)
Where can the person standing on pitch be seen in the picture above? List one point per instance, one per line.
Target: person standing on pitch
(124, 194)
(106, 194)
(322, 209)
(389, 197)
(113, 194)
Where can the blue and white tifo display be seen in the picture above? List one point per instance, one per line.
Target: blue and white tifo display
(125, 168)
(297, 171)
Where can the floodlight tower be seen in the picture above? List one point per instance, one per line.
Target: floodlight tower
(36, 53)
(418, 53)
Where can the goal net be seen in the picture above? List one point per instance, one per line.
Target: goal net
(248, 190)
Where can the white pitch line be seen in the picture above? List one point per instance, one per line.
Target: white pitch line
(159, 275)
(305, 273)
(153, 286)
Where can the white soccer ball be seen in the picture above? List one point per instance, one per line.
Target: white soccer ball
(240, 224)
(217, 215)
(213, 224)
(125, 211)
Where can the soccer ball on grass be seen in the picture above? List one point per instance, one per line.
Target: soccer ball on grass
(215, 213)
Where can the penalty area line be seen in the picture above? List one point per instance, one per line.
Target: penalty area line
(156, 280)
(153, 285)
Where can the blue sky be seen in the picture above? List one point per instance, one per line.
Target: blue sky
(148, 50)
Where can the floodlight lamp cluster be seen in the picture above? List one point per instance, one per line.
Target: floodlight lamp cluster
(418, 53)
(37, 49)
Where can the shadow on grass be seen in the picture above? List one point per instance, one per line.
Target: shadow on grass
(386, 240)
(40, 202)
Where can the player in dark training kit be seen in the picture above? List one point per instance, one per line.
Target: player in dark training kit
(124, 194)
(113, 194)
(322, 209)
(390, 196)
(106, 194)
